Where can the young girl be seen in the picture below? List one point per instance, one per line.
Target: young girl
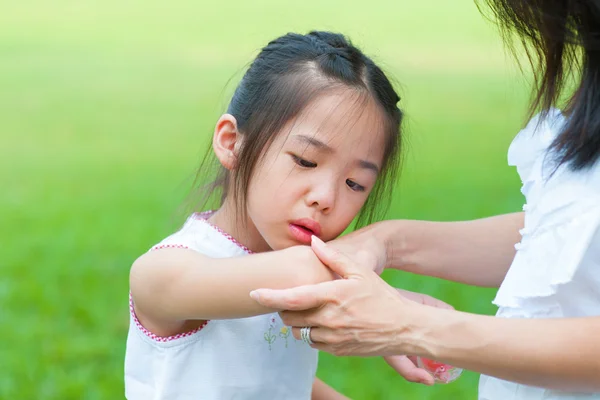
(310, 138)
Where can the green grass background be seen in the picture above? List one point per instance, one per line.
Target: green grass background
(105, 108)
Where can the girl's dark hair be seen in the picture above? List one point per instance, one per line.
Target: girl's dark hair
(562, 40)
(285, 77)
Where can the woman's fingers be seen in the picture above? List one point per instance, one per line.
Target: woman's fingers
(301, 318)
(334, 259)
(298, 298)
(362, 247)
(408, 370)
(319, 336)
(315, 334)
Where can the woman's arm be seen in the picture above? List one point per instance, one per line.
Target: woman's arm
(322, 391)
(362, 315)
(559, 353)
(170, 286)
(477, 252)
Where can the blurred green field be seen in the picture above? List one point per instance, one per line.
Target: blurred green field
(105, 108)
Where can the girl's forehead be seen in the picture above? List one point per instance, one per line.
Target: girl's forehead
(349, 120)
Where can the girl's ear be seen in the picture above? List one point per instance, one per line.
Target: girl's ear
(227, 141)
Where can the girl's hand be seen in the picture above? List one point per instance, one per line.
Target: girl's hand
(406, 367)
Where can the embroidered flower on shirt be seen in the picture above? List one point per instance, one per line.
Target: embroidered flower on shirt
(269, 336)
(284, 332)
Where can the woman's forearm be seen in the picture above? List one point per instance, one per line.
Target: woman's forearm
(477, 252)
(561, 354)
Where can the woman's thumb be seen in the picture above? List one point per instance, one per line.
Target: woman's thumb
(332, 258)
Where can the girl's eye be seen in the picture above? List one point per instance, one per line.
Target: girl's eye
(303, 163)
(355, 186)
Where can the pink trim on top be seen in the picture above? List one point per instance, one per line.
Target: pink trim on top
(139, 325)
(169, 246)
(204, 217)
(154, 336)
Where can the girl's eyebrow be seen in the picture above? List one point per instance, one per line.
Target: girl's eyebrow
(315, 142)
(311, 141)
(368, 165)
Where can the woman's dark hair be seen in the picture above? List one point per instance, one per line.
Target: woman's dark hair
(562, 40)
(285, 77)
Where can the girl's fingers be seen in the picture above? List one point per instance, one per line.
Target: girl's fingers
(408, 370)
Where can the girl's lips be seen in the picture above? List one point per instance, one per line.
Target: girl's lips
(300, 233)
(308, 224)
(303, 229)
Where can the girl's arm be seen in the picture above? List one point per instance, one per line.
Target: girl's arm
(477, 252)
(322, 391)
(170, 286)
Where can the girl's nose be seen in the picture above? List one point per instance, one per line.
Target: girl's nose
(322, 196)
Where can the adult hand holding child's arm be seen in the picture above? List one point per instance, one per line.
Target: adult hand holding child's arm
(347, 317)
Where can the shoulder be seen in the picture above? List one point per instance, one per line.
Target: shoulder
(532, 142)
(198, 234)
(192, 231)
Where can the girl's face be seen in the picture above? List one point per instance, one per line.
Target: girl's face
(317, 173)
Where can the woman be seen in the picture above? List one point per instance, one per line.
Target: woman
(545, 261)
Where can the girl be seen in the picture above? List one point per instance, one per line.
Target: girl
(311, 137)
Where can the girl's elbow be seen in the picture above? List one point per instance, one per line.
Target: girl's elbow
(147, 278)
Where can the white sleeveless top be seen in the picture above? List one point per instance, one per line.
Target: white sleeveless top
(556, 270)
(247, 358)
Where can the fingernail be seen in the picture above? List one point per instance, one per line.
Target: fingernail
(254, 295)
(315, 239)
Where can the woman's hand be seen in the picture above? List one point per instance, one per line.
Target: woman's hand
(364, 246)
(359, 314)
(355, 315)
